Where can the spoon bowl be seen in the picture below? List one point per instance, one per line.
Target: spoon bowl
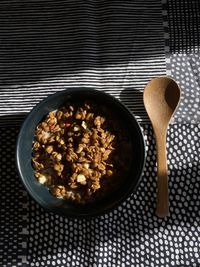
(161, 99)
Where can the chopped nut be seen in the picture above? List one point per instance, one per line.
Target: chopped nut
(81, 179)
(46, 135)
(42, 179)
(86, 165)
(84, 125)
(76, 128)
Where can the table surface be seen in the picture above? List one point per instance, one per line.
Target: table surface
(117, 47)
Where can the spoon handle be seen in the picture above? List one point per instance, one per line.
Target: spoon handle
(162, 209)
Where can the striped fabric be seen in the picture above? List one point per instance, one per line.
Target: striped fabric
(50, 45)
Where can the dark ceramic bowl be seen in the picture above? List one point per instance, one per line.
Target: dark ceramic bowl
(24, 149)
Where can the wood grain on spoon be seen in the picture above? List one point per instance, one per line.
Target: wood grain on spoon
(161, 98)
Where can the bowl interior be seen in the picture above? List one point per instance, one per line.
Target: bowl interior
(24, 150)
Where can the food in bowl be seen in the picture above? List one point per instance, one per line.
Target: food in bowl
(81, 152)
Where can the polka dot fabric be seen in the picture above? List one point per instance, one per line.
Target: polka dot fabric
(13, 204)
(185, 69)
(182, 55)
(131, 235)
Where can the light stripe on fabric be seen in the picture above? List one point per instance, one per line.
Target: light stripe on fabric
(48, 46)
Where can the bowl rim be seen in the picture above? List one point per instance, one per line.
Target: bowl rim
(122, 198)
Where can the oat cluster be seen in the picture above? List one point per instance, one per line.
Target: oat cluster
(77, 152)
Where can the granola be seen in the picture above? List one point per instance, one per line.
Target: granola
(81, 152)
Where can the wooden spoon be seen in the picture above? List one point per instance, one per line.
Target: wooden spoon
(161, 98)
